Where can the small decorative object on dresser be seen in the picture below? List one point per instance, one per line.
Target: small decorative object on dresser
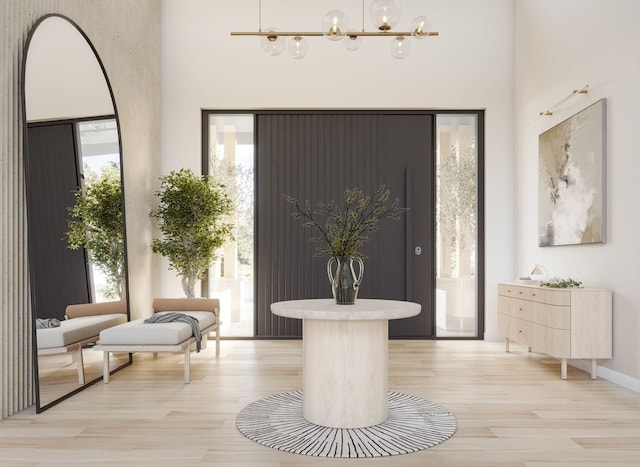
(539, 273)
(561, 322)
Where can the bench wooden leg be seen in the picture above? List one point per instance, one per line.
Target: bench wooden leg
(187, 364)
(77, 357)
(105, 368)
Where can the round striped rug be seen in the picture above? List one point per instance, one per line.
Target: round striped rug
(413, 424)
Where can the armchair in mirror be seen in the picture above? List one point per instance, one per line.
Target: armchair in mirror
(75, 216)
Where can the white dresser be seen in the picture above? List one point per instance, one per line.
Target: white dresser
(563, 323)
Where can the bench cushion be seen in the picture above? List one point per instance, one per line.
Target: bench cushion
(78, 329)
(138, 332)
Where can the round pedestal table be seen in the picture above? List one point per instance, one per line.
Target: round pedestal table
(345, 364)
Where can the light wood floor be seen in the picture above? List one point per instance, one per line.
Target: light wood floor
(512, 410)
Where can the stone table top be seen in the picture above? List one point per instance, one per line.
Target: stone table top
(363, 309)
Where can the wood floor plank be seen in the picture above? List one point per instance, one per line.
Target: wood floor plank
(512, 409)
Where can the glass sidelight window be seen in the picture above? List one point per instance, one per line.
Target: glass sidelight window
(456, 225)
(230, 161)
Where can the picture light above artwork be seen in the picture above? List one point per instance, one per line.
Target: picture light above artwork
(574, 92)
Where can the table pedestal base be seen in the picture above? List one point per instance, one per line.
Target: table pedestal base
(345, 378)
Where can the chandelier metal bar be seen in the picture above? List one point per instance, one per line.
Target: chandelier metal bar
(318, 34)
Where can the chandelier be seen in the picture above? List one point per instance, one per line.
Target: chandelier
(384, 15)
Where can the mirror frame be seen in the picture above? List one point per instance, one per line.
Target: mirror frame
(40, 408)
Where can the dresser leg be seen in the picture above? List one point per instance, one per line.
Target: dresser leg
(506, 344)
(594, 369)
(563, 368)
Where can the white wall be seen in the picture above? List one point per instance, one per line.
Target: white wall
(561, 46)
(469, 66)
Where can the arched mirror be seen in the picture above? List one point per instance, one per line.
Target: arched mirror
(75, 208)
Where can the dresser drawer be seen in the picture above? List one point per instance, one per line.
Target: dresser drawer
(515, 329)
(554, 342)
(536, 294)
(553, 316)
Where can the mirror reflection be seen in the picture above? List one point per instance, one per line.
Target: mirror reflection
(73, 173)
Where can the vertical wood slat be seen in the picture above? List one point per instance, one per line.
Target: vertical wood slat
(19, 270)
(315, 157)
(16, 376)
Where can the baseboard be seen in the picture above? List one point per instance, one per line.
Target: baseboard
(615, 377)
(493, 337)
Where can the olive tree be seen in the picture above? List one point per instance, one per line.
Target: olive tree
(457, 201)
(192, 216)
(97, 225)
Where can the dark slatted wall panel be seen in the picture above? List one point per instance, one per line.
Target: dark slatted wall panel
(311, 157)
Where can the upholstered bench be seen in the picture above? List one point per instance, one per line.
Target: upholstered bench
(82, 327)
(138, 336)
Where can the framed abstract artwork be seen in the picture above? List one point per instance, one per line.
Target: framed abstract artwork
(571, 180)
